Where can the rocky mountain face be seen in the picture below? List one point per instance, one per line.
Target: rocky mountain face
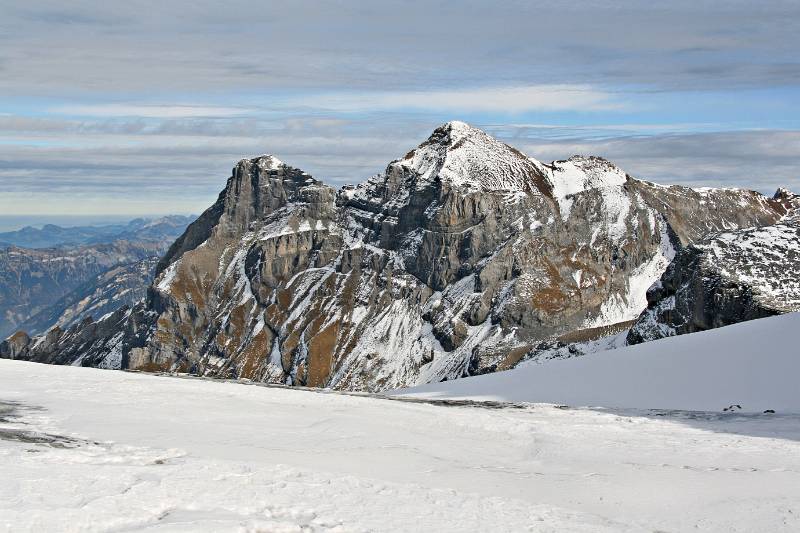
(460, 258)
(726, 278)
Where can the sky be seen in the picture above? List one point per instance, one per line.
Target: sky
(142, 108)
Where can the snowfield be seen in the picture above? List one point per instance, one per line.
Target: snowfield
(91, 450)
(754, 365)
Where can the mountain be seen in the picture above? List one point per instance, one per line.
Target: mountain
(166, 228)
(707, 371)
(37, 284)
(31, 281)
(726, 278)
(460, 258)
(51, 235)
(121, 285)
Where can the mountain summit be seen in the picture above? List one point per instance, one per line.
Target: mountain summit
(468, 158)
(460, 258)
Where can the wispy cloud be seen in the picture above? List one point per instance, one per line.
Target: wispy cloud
(173, 166)
(109, 106)
(150, 110)
(762, 160)
(396, 45)
(546, 98)
(485, 99)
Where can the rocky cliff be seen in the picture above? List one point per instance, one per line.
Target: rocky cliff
(726, 278)
(460, 258)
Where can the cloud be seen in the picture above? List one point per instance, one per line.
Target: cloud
(548, 98)
(486, 99)
(150, 110)
(109, 104)
(175, 165)
(403, 46)
(171, 165)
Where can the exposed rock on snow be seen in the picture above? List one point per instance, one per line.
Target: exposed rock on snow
(461, 258)
(728, 278)
(753, 365)
(788, 204)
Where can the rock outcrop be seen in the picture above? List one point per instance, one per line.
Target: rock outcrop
(727, 278)
(460, 258)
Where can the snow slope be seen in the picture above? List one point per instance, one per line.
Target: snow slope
(754, 364)
(89, 450)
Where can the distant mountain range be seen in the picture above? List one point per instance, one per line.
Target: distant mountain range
(51, 235)
(463, 257)
(64, 283)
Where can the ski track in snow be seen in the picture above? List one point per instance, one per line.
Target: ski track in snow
(94, 450)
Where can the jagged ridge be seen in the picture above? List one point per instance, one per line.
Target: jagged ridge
(460, 258)
(726, 278)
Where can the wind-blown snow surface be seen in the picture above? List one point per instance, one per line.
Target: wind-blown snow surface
(753, 364)
(91, 450)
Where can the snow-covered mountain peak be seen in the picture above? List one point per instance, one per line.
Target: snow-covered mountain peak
(458, 259)
(788, 201)
(577, 174)
(268, 162)
(580, 173)
(461, 128)
(467, 158)
(452, 132)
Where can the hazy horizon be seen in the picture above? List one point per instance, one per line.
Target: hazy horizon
(17, 222)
